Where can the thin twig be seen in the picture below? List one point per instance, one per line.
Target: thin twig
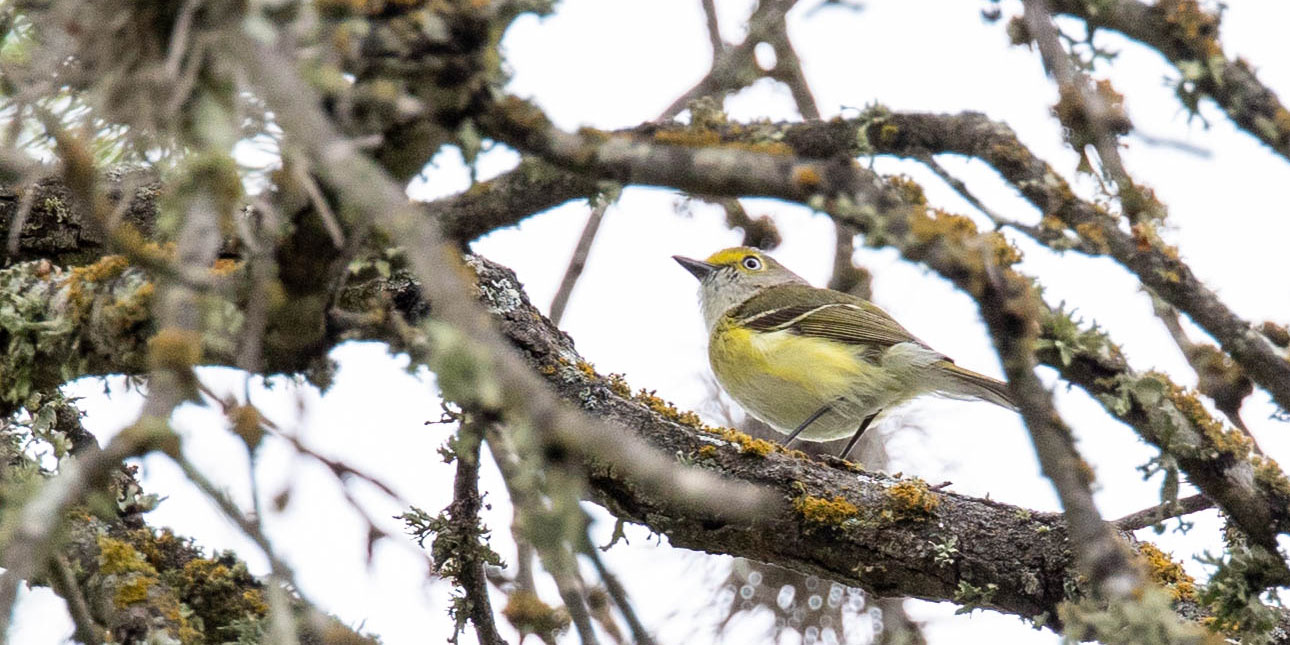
(319, 201)
(20, 216)
(734, 68)
(1217, 375)
(64, 583)
(464, 513)
(714, 28)
(618, 593)
(962, 189)
(1157, 514)
(601, 204)
(1074, 86)
(554, 552)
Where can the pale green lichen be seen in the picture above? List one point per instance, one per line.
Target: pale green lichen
(1146, 619)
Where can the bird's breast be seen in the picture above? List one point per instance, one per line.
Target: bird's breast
(782, 377)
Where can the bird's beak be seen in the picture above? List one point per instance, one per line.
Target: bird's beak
(699, 268)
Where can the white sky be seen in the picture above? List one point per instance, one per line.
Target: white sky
(615, 63)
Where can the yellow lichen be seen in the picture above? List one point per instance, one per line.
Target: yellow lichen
(667, 410)
(707, 452)
(225, 266)
(1217, 437)
(910, 499)
(887, 134)
(747, 445)
(1193, 25)
(247, 424)
(108, 267)
(1268, 473)
(118, 556)
(133, 591)
(1169, 574)
(1005, 254)
(806, 178)
(1094, 235)
(528, 614)
(828, 512)
(1052, 223)
(175, 349)
(928, 224)
(910, 191)
(689, 137)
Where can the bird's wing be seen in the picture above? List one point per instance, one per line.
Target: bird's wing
(824, 314)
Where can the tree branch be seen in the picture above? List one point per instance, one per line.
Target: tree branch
(1183, 33)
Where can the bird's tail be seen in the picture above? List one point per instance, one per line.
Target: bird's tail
(964, 383)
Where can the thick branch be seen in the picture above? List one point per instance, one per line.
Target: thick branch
(887, 544)
(894, 215)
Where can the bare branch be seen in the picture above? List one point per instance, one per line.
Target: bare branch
(579, 259)
(1157, 514)
(464, 513)
(1186, 35)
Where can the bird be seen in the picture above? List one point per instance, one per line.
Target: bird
(813, 363)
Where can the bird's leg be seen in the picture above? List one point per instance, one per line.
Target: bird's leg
(809, 420)
(864, 425)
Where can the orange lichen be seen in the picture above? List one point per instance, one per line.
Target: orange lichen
(807, 178)
(747, 445)
(1278, 334)
(1169, 574)
(588, 370)
(910, 499)
(225, 266)
(1217, 437)
(1193, 25)
(928, 224)
(1094, 235)
(910, 191)
(1005, 254)
(827, 512)
(106, 268)
(1052, 223)
(688, 137)
(1268, 473)
(618, 385)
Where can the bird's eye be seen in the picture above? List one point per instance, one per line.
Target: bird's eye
(751, 263)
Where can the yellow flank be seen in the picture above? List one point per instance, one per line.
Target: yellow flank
(782, 378)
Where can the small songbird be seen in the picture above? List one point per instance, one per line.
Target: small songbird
(816, 363)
